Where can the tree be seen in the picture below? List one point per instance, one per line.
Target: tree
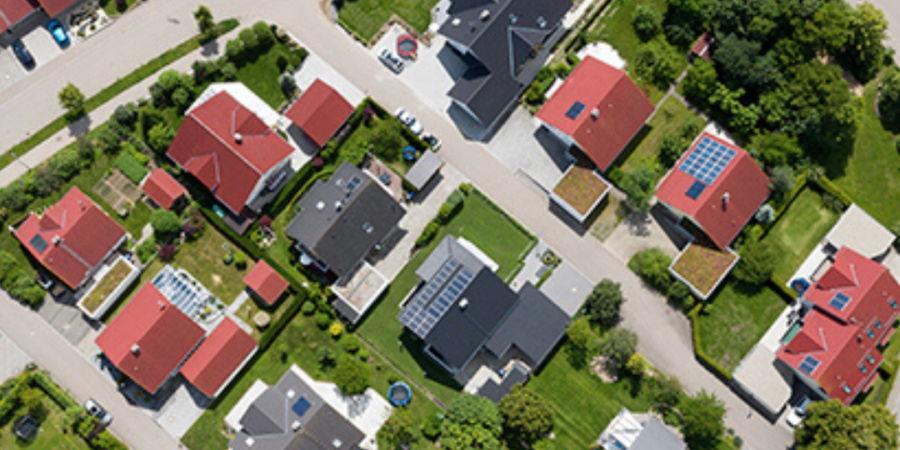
(248, 36)
(757, 263)
(619, 344)
(387, 139)
(832, 426)
(704, 416)
(637, 365)
(31, 399)
(700, 81)
(604, 302)
(471, 422)
(526, 416)
(865, 52)
(264, 35)
(647, 21)
(351, 375)
(640, 184)
(582, 341)
(234, 50)
(776, 149)
(71, 98)
(782, 179)
(126, 114)
(889, 102)
(832, 25)
(742, 65)
(399, 431)
(160, 137)
(652, 265)
(166, 224)
(671, 147)
(657, 62)
(205, 23)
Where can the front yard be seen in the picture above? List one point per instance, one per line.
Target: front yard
(261, 73)
(365, 17)
(735, 319)
(799, 230)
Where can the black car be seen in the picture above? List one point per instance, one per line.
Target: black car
(23, 54)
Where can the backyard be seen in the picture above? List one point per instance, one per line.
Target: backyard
(50, 435)
(365, 17)
(669, 117)
(735, 319)
(799, 230)
(299, 343)
(483, 225)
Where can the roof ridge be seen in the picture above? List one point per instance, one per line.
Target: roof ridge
(225, 143)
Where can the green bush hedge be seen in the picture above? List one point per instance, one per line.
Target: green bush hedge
(828, 186)
(698, 347)
(131, 167)
(60, 397)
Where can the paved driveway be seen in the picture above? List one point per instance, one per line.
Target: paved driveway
(62, 314)
(527, 148)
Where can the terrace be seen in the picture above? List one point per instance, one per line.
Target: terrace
(188, 295)
(703, 267)
(580, 190)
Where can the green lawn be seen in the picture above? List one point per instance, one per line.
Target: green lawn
(298, 343)
(671, 115)
(615, 28)
(799, 230)
(365, 17)
(50, 435)
(112, 8)
(871, 173)
(479, 222)
(738, 318)
(261, 73)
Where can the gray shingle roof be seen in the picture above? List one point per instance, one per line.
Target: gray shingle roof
(534, 326)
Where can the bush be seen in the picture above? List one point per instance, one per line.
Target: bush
(757, 263)
(166, 225)
(288, 84)
(145, 250)
(181, 99)
(431, 426)
(229, 72)
(308, 308)
(782, 178)
(765, 214)
(336, 329)
(281, 63)
(640, 185)
(582, 342)
(399, 431)
(428, 234)
(619, 344)
(604, 302)
(264, 34)
(240, 260)
(325, 356)
(131, 167)
(652, 265)
(350, 343)
(323, 320)
(657, 63)
(126, 115)
(248, 37)
(671, 148)
(647, 21)
(234, 50)
(350, 375)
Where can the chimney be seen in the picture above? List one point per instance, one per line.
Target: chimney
(250, 442)
(320, 206)
(238, 138)
(485, 15)
(595, 113)
(725, 197)
(57, 240)
(542, 22)
(513, 19)
(463, 304)
(456, 21)
(135, 349)
(295, 426)
(338, 206)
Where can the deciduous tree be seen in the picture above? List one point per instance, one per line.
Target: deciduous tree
(832, 426)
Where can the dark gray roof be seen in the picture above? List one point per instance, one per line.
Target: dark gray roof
(534, 326)
(424, 169)
(341, 219)
(657, 436)
(495, 392)
(502, 35)
(270, 423)
(461, 332)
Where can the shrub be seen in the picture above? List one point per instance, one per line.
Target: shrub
(640, 185)
(336, 329)
(288, 84)
(428, 234)
(160, 137)
(167, 252)
(205, 23)
(431, 426)
(323, 320)
(465, 188)
(652, 265)
(325, 356)
(582, 341)
(181, 99)
(248, 37)
(765, 214)
(680, 294)
(399, 431)
(670, 149)
(234, 50)
(782, 178)
(145, 250)
(757, 263)
(647, 21)
(350, 375)
(657, 63)
(240, 260)
(619, 345)
(350, 343)
(308, 308)
(604, 302)
(126, 114)
(264, 34)
(229, 72)
(281, 62)
(637, 365)
(166, 224)
(131, 167)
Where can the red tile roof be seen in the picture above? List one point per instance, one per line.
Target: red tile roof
(320, 112)
(12, 11)
(214, 362)
(703, 46)
(266, 282)
(149, 339)
(71, 238)
(727, 204)
(843, 341)
(207, 146)
(163, 189)
(614, 110)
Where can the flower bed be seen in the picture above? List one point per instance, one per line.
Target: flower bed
(580, 190)
(703, 267)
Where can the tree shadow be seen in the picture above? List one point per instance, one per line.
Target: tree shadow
(80, 127)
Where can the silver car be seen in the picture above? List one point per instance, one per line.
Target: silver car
(410, 121)
(93, 408)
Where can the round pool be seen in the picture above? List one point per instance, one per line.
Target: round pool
(399, 394)
(407, 46)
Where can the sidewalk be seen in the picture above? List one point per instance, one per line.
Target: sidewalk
(68, 135)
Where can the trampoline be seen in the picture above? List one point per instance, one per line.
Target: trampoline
(400, 394)
(409, 153)
(800, 285)
(407, 46)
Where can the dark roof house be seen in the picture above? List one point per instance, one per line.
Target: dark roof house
(505, 43)
(629, 431)
(598, 108)
(342, 219)
(466, 315)
(292, 416)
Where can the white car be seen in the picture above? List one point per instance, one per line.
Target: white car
(93, 408)
(392, 62)
(411, 122)
(796, 415)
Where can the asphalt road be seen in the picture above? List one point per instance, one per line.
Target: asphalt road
(664, 333)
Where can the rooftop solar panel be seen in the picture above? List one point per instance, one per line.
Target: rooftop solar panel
(839, 301)
(707, 161)
(575, 110)
(430, 303)
(809, 364)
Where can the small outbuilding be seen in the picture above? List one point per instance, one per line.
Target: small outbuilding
(265, 283)
(162, 189)
(424, 169)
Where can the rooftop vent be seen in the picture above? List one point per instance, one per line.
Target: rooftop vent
(338, 206)
(291, 393)
(464, 303)
(238, 138)
(485, 15)
(456, 21)
(250, 442)
(542, 22)
(320, 206)
(513, 18)
(57, 240)
(368, 228)
(595, 113)
(135, 349)
(296, 425)
(336, 443)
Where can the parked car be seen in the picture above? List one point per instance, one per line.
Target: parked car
(411, 122)
(796, 415)
(23, 54)
(93, 408)
(392, 62)
(59, 33)
(432, 140)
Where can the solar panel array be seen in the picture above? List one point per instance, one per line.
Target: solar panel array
(839, 301)
(809, 364)
(707, 161)
(432, 301)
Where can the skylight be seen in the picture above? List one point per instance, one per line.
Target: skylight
(695, 190)
(809, 365)
(301, 406)
(575, 110)
(839, 301)
(39, 243)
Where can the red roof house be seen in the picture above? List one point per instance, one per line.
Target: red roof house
(219, 358)
(320, 112)
(717, 185)
(13, 11)
(149, 339)
(230, 150)
(163, 189)
(855, 304)
(71, 238)
(599, 109)
(266, 283)
(54, 7)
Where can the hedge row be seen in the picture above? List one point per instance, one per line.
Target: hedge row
(9, 402)
(41, 380)
(705, 359)
(286, 197)
(828, 186)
